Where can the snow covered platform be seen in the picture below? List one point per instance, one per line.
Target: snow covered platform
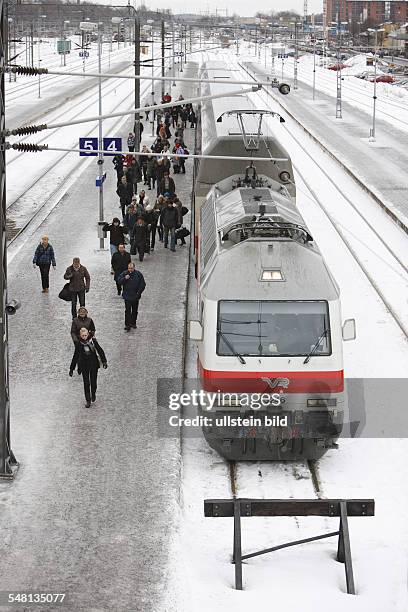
(92, 510)
(379, 166)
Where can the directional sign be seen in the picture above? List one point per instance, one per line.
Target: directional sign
(111, 145)
(283, 55)
(84, 54)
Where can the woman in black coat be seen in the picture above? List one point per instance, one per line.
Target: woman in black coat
(87, 354)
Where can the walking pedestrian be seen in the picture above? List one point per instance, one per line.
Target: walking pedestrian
(140, 236)
(160, 204)
(43, 258)
(151, 171)
(125, 193)
(118, 162)
(151, 218)
(79, 283)
(130, 218)
(116, 234)
(131, 142)
(80, 321)
(170, 219)
(120, 261)
(134, 174)
(87, 354)
(143, 162)
(167, 184)
(133, 286)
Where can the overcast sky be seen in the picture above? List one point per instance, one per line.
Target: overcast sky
(240, 7)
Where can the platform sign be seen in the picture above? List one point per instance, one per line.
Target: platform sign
(90, 144)
(84, 54)
(113, 145)
(283, 55)
(110, 145)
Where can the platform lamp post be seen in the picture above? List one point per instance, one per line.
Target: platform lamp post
(150, 22)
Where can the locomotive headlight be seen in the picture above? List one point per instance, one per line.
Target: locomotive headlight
(284, 176)
(322, 403)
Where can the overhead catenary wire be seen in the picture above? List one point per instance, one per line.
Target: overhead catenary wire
(29, 71)
(35, 148)
(24, 130)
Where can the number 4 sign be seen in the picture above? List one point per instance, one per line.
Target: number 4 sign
(110, 145)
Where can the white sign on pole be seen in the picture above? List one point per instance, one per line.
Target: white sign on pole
(88, 26)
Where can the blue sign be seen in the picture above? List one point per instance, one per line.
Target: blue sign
(100, 180)
(110, 145)
(90, 144)
(282, 56)
(84, 54)
(113, 145)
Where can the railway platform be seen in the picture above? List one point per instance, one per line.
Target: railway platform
(94, 506)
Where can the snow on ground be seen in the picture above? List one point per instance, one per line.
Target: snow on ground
(391, 100)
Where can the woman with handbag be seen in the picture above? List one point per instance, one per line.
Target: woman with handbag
(87, 354)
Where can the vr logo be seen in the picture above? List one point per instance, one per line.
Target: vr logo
(276, 382)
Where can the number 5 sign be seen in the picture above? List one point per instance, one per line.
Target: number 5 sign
(110, 145)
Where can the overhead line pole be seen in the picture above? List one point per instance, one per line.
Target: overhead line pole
(7, 458)
(162, 59)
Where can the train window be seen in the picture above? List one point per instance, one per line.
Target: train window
(273, 328)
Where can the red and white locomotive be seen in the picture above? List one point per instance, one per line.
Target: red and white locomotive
(269, 318)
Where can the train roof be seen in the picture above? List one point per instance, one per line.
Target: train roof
(225, 137)
(245, 202)
(236, 274)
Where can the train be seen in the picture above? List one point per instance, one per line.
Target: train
(269, 331)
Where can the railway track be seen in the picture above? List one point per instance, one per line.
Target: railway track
(17, 219)
(15, 93)
(390, 260)
(382, 105)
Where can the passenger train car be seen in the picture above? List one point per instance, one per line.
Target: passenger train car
(269, 332)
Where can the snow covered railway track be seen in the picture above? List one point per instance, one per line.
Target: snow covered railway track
(76, 108)
(274, 479)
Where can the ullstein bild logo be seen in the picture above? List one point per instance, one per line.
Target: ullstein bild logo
(276, 382)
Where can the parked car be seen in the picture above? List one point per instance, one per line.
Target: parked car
(382, 78)
(337, 67)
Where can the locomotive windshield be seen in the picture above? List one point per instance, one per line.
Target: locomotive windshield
(273, 328)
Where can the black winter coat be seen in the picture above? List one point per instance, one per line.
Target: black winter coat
(134, 174)
(88, 360)
(120, 263)
(140, 234)
(117, 233)
(125, 193)
(169, 216)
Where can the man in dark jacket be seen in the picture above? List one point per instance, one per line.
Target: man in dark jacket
(125, 193)
(117, 234)
(79, 282)
(166, 185)
(133, 286)
(82, 320)
(140, 237)
(134, 174)
(170, 219)
(43, 258)
(118, 165)
(120, 262)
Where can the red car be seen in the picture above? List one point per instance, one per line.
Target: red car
(337, 67)
(383, 78)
